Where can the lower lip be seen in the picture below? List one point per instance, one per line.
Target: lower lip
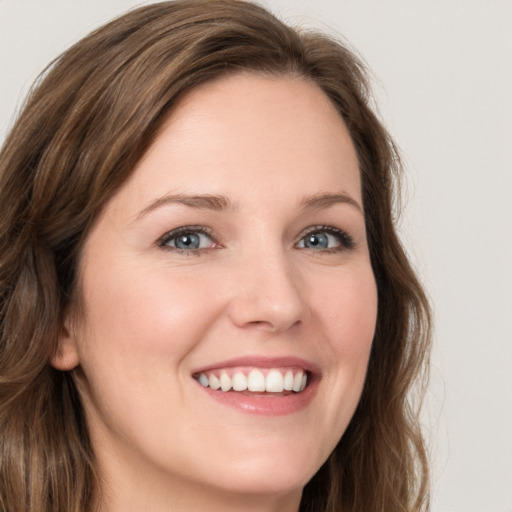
(265, 405)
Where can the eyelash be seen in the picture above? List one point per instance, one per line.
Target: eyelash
(345, 240)
(184, 230)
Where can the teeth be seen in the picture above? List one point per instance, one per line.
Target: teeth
(256, 381)
(225, 382)
(297, 382)
(274, 381)
(214, 382)
(288, 381)
(203, 380)
(303, 382)
(239, 381)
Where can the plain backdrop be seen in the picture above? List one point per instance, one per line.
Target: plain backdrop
(442, 73)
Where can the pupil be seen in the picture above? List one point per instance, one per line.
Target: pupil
(189, 241)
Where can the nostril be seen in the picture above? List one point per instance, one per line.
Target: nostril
(261, 324)
(270, 326)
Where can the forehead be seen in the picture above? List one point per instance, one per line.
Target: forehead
(250, 134)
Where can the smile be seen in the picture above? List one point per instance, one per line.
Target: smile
(256, 380)
(271, 386)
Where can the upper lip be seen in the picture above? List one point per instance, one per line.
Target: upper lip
(262, 362)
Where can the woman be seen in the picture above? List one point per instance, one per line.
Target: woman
(204, 301)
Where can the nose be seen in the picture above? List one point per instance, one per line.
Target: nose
(267, 293)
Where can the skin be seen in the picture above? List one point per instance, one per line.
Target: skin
(154, 315)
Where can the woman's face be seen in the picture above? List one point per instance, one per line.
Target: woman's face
(235, 255)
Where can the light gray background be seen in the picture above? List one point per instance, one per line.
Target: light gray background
(443, 78)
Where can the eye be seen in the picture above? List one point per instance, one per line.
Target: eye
(323, 238)
(188, 238)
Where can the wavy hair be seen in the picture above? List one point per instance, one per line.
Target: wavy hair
(85, 125)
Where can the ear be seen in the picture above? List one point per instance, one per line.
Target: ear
(66, 358)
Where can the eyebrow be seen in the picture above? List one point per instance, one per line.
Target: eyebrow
(220, 202)
(203, 202)
(321, 201)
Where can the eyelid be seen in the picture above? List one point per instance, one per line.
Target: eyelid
(346, 241)
(173, 233)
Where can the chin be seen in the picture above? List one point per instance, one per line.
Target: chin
(273, 481)
(268, 471)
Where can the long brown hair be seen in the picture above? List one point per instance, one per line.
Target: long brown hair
(85, 125)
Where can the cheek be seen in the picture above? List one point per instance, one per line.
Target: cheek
(348, 317)
(140, 326)
(144, 312)
(349, 313)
